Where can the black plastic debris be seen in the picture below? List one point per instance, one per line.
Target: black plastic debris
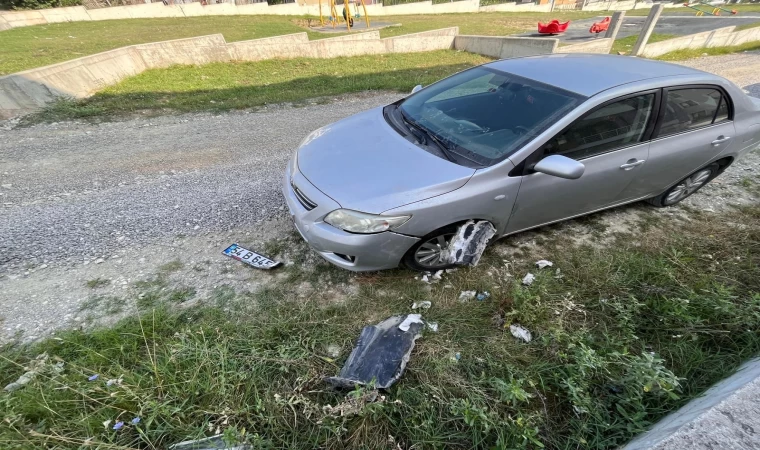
(468, 244)
(381, 353)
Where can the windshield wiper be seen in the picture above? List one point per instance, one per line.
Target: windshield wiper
(427, 134)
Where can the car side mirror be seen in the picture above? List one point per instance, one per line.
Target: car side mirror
(416, 88)
(560, 166)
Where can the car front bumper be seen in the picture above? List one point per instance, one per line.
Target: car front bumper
(356, 252)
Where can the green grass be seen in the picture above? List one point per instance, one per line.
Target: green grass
(30, 47)
(225, 86)
(747, 26)
(690, 12)
(627, 333)
(625, 45)
(681, 55)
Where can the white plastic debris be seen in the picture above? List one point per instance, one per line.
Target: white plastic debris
(520, 333)
(467, 295)
(437, 275)
(410, 319)
(467, 246)
(543, 263)
(528, 279)
(483, 295)
(425, 279)
(421, 305)
(433, 326)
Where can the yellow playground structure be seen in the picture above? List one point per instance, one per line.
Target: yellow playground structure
(346, 16)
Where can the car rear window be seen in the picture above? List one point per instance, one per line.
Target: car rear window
(487, 113)
(686, 109)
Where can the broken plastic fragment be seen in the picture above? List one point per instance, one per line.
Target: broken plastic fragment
(437, 275)
(425, 279)
(381, 353)
(433, 326)
(466, 295)
(544, 263)
(520, 333)
(410, 319)
(467, 246)
(483, 295)
(210, 443)
(528, 279)
(422, 305)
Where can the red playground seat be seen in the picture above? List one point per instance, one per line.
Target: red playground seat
(553, 27)
(598, 27)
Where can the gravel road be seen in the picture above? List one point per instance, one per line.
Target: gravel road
(116, 201)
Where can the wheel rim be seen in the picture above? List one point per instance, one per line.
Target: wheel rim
(430, 253)
(688, 186)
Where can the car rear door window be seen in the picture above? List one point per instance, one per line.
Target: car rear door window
(609, 127)
(686, 109)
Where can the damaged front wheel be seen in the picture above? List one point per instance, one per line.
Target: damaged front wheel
(429, 254)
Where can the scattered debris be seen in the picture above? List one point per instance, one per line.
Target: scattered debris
(210, 443)
(437, 275)
(410, 319)
(558, 274)
(466, 295)
(381, 353)
(432, 326)
(482, 295)
(543, 263)
(422, 305)
(352, 404)
(250, 257)
(467, 246)
(425, 279)
(456, 357)
(333, 350)
(520, 333)
(528, 279)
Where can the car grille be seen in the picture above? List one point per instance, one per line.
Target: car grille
(303, 199)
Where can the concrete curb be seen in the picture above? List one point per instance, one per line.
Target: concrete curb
(726, 417)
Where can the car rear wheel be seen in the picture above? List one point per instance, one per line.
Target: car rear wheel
(426, 255)
(684, 188)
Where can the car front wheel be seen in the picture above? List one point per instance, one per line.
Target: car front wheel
(427, 254)
(686, 187)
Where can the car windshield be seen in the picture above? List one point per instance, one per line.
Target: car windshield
(485, 114)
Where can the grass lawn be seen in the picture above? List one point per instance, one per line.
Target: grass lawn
(625, 45)
(681, 55)
(623, 333)
(29, 47)
(690, 12)
(225, 86)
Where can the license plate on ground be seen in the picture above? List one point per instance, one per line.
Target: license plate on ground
(250, 257)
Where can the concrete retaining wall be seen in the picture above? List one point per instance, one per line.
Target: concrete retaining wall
(715, 38)
(600, 45)
(505, 47)
(14, 19)
(25, 91)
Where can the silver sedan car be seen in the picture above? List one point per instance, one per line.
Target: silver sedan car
(520, 143)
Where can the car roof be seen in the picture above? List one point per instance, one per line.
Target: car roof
(589, 74)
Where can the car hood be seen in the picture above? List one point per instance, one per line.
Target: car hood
(365, 165)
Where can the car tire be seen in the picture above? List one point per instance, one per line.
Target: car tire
(415, 258)
(686, 187)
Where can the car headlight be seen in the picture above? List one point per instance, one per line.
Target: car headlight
(359, 222)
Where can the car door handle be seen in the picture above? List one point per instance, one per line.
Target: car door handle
(632, 163)
(720, 140)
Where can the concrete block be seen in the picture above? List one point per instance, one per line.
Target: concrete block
(361, 36)
(4, 25)
(419, 44)
(197, 50)
(219, 9)
(515, 7)
(714, 38)
(610, 6)
(342, 49)
(290, 9)
(505, 47)
(16, 19)
(112, 13)
(266, 48)
(150, 10)
(253, 9)
(193, 9)
(70, 14)
(601, 45)
(461, 6)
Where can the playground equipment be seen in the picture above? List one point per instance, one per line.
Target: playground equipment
(598, 27)
(553, 27)
(715, 9)
(347, 17)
